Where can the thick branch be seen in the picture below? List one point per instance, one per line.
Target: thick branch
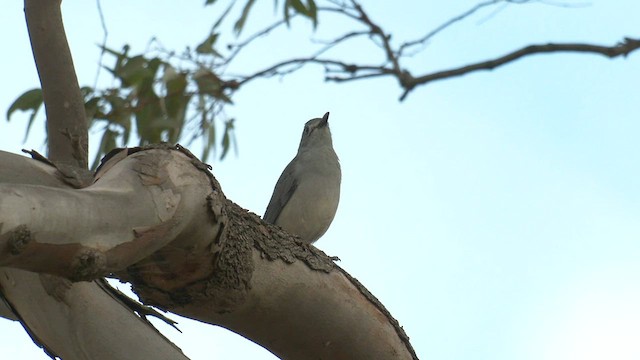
(80, 320)
(67, 135)
(286, 296)
(71, 320)
(216, 263)
(93, 237)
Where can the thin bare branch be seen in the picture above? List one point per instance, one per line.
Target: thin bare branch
(239, 46)
(331, 43)
(380, 34)
(623, 48)
(445, 25)
(281, 68)
(356, 77)
(103, 45)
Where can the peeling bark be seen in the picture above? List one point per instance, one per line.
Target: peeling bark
(215, 263)
(71, 320)
(290, 298)
(159, 197)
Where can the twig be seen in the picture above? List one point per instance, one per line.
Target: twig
(445, 25)
(238, 47)
(379, 33)
(346, 68)
(103, 46)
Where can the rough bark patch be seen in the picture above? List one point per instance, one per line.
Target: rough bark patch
(19, 238)
(277, 244)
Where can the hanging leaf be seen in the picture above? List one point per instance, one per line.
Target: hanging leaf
(210, 84)
(310, 10)
(227, 138)
(120, 57)
(239, 25)
(107, 143)
(134, 71)
(209, 132)
(207, 46)
(176, 103)
(223, 16)
(30, 100)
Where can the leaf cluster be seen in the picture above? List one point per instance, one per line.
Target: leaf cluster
(161, 96)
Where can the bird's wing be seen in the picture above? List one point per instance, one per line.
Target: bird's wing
(285, 187)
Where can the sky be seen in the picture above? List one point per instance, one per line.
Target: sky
(496, 215)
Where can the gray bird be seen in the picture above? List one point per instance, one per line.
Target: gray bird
(307, 193)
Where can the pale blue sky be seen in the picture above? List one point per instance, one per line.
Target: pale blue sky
(496, 215)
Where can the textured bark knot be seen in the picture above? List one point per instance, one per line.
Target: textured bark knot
(20, 238)
(88, 264)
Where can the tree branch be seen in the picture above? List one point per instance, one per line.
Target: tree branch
(221, 264)
(622, 48)
(380, 34)
(72, 320)
(334, 65)
(66, 120)
(342, 71)
(445, 25)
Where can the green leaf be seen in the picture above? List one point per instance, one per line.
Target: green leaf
(227, 138)
(107, 143)
(299, 7)
(209, 132)
(207, 46)
(92, 109)
(239, 25)
(223, 16)
(176, 103)
(149, 119)
(120, 57)
(313, 12)
(210, 84)
(309, 10)
(113, 109)
(209, 2)
(30, 100)
(134, 71)
(286, 12)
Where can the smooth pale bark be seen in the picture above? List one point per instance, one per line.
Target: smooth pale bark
(217, 263)
(81, 321)
(67, 133)
(73, 320)
(300, 313)
(140, 205)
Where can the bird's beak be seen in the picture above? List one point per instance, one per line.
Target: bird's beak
(325, 119)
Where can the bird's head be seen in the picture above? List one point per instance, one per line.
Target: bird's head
(316, 133)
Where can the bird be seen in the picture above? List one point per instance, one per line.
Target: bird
(306, 196)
